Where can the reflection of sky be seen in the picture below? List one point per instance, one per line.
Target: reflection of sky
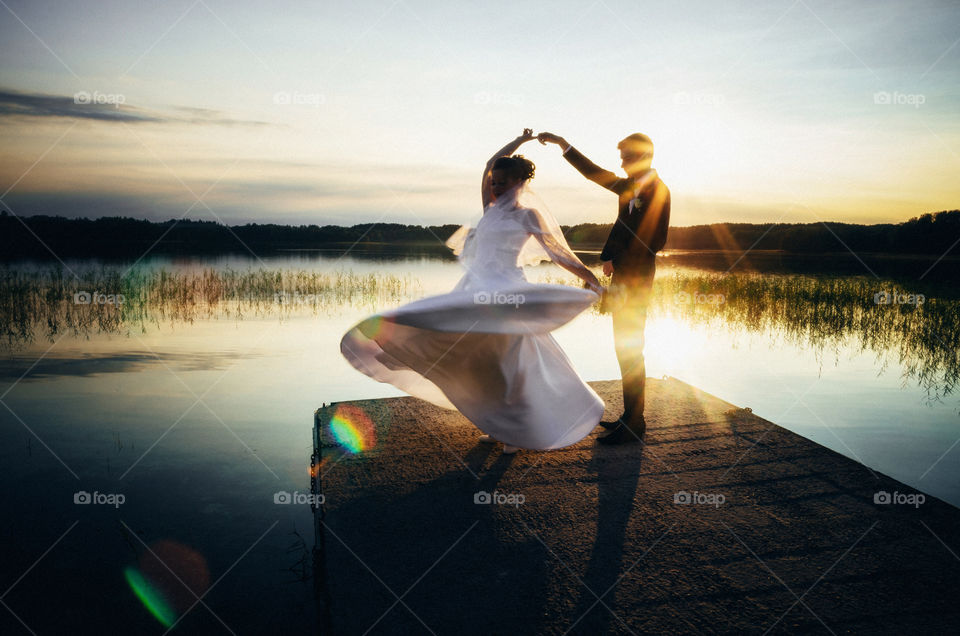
(86, 363)
(201, 476)
(121, 414)
(265, 377)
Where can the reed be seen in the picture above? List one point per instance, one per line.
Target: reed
(822, 314)
(47, 303)
(819, 313)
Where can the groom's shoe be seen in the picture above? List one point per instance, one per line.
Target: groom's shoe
(625, 433)
(617, 422)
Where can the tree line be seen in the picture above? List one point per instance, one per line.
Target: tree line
(39, 237)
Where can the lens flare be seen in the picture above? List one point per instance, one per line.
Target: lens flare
(377, 328)
(151, 598)
(165, 573)
(353, 429)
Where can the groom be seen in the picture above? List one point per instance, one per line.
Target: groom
(629, 256)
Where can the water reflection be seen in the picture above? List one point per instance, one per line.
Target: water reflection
(85, 364)
(44, 303)
(918, 329)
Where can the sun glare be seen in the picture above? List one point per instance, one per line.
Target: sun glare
(670, 344)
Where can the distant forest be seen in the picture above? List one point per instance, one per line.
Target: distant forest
(125, 237)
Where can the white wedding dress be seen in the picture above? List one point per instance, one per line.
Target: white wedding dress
(485, 347)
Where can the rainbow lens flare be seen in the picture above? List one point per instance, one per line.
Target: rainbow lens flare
(165, 572)
(151, 598)
(353, 429)
(377, 328)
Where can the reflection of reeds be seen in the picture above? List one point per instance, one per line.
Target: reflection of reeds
(827, 313)
(820, 314)
(43, 303)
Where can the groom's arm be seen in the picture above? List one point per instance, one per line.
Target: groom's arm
(584, 166)
(592, 171)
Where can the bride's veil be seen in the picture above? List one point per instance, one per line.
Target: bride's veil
(546, 242)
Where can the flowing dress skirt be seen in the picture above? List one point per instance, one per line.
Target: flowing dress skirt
(489, 355)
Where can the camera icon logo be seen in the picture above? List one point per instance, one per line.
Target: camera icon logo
(281, 497)
(482, 497)
(481, 298)
(881, 497)
(82, 298)
(882, 97)
(682, 497)
(81, 497)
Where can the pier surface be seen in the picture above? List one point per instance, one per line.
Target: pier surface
(721, 523)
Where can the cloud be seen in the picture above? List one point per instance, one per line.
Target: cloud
(105, 107)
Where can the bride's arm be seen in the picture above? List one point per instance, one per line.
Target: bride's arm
(581, 271)
(507, 150)
(560, 253)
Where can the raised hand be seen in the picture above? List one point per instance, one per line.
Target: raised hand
(527, 134)
(545, 138)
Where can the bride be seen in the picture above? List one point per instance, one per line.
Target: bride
(485, 347)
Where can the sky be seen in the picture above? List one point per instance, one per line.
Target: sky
(386, 111)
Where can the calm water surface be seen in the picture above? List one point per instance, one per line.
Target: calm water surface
(199, 412)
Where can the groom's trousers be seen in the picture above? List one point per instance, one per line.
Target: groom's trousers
(628, 304)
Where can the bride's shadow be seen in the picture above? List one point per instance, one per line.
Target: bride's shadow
(477, 459)
(432, 544)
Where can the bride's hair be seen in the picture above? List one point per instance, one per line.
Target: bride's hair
(517, 166)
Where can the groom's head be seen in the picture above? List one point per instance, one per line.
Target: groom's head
(636, 153)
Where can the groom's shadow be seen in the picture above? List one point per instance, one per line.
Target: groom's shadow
(617, 479)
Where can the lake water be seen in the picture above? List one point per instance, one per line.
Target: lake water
(196, 413)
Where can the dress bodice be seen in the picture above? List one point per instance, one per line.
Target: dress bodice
(491, 249)
(508, 236)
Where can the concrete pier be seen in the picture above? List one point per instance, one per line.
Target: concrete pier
(721, 523)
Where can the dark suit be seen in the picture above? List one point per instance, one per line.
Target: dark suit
(639, 232)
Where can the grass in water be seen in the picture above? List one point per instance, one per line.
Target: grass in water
(821, 313)
(46, 304)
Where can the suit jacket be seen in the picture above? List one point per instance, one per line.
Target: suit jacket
(643, 219)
